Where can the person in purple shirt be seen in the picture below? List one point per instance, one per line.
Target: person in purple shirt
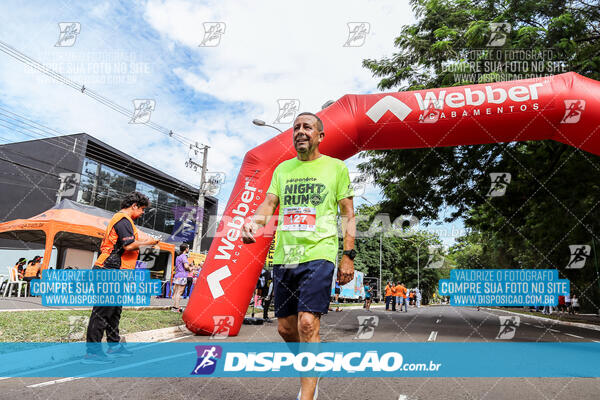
(182, 267)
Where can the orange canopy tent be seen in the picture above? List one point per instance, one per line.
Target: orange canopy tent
(69, 224)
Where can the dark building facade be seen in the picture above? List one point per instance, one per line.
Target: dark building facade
(92, 173)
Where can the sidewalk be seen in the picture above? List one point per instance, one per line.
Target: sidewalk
(592, 319)
(35, 303)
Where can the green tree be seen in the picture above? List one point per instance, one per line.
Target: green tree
(398, 252)
(552, 199)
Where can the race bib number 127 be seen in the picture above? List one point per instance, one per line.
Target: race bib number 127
(299, 219)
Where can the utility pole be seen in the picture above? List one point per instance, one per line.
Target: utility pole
(190, 163)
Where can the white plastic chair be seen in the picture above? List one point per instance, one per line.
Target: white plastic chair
(13, 280)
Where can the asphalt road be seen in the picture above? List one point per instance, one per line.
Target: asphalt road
(437, 323)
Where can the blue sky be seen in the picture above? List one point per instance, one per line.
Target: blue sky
(150, 50)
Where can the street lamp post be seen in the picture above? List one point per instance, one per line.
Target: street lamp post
(418, 265)
(260, 122)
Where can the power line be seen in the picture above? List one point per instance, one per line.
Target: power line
(11, 51)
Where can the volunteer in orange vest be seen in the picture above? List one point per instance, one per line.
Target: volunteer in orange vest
(119, 250)
(401, 293)
(389, 296)
(32, 271)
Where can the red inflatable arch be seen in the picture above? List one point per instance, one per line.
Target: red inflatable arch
(565, 108)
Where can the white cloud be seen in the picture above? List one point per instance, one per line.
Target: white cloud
(270, 50)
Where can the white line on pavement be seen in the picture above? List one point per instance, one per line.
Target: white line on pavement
(553, 330)
(48, 383)
(438, 321)
(432, 336)
(575, 336)
(72, 378)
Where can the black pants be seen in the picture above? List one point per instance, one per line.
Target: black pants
(388, 300)
(266, 303)
(188, 287)
(103, 319)
(28, 279)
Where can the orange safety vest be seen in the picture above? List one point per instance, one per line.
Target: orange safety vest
(401, 291)
(128, 258)
(32, 270)
(388, 290)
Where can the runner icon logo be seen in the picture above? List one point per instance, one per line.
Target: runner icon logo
(212, 34)
(508, 327)
(573, 111)
(579, 255)
(288, 108)
(68, 33)
(207, 359)
(432, 114)
(500, 181)
(366, 326)
(499, 33)
(292, 255)
(357, 33)
(142, 109)
(223, 323)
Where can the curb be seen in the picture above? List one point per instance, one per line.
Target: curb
(154, 335)
(556, 321)
(137, 308)
(63, 352)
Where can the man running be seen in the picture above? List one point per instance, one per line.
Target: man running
(119, 250)
(308, 190)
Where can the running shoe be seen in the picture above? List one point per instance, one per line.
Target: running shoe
(118, 352)
(96, 359)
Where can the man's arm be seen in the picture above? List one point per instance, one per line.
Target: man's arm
(124, 230)
(261, 217)
(346, 267)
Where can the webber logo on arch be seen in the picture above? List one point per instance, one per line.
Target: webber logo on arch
(464, 102)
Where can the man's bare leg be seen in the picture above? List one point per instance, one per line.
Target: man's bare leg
(308, 329)
(303, 327)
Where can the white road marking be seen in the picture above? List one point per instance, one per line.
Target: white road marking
(432, 336)
(438, 321)
(540, 326)
(72, 378)
(595, 341)
(48, 383)
(575, 336)
(553, 330)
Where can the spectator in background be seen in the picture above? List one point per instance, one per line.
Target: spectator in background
(32, 271)
(389, 296)
(19, 266)
(368, 293)
(568, 303)
(418, 297)
(182, 267)
(574, 304)
(402, 296)
(337, 291)
(190, 280)
(267, 297)
(561, 304)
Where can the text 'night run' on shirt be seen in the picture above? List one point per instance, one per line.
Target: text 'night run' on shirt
(308, 192)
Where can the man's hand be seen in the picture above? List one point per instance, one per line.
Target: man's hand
(152, 242)
(345, 270)
(248, 231)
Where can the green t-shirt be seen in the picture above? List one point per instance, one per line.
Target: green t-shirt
(308, 193)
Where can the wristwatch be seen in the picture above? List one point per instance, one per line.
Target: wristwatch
(350, 253)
